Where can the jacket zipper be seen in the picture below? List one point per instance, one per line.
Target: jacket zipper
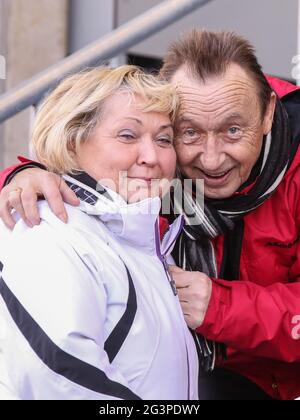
(163, 260)
(188, 370)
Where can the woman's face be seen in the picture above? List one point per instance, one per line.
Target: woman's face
(130, 151)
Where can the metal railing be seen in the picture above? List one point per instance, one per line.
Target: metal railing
(31, 91)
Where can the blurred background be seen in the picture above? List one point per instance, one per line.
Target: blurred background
(34, 34)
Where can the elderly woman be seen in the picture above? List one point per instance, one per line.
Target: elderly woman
(90, 305)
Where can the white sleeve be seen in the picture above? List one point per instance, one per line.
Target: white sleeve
(5, 391)
(55, 308)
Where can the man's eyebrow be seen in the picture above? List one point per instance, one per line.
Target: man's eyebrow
(235, 116)
(225, 120)
(186, 119)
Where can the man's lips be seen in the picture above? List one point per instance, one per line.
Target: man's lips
(216, 179)
(216, 174)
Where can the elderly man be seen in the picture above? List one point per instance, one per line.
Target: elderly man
(240, 263)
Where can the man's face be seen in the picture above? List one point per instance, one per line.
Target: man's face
(220, 129)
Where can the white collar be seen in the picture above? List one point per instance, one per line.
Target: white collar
(136, 224)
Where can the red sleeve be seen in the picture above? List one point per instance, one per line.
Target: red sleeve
(264, 322)
(13, 170)
(4, 174)
(261, 321)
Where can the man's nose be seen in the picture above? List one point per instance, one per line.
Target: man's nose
(212, 157)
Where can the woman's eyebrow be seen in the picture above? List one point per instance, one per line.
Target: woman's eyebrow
(134, 119)
(163, 127)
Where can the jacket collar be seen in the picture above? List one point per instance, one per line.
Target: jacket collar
(281, 87)
(136, 224)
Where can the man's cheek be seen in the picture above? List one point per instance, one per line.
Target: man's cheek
(185, 163)
(296, 329)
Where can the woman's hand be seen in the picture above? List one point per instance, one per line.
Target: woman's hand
(194, 292)
(24, 190)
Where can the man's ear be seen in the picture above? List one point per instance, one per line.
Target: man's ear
(269, 115)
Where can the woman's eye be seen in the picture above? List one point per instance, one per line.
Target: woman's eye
(165, 140)
(126, 136)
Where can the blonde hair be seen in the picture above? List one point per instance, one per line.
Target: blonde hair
(71, 112)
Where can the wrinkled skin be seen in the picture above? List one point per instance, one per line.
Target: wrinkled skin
(220, 128)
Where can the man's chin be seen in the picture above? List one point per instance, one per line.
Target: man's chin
(219, 194)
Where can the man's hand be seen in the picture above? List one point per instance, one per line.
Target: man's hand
(194, 292)
(23, 191)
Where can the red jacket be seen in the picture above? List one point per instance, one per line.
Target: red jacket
(258, 316)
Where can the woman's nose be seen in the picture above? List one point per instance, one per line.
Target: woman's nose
(148, 153)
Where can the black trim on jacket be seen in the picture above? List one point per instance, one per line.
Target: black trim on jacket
(119, 334)
(55, 358)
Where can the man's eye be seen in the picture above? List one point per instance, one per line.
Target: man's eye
(190, 132)
(190, 135)
(234, 132)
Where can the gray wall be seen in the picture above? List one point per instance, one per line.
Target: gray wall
(3, 31)
(271, 25)
(34, 37)
(89, 20)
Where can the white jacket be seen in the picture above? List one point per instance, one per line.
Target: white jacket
(89, 306)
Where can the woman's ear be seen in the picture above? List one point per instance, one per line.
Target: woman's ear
(269, 115)
(72, 148)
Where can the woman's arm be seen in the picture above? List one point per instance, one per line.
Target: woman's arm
(21, 185)
(55, 310)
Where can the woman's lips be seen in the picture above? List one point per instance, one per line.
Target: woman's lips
(148, 181)
(216, 180)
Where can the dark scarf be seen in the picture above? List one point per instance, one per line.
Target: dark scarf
(195, 251)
